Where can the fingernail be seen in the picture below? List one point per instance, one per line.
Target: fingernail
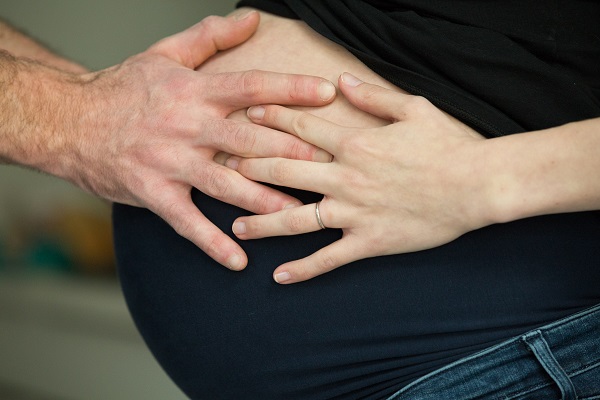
(256, 112)
(235, 262)
(322, 156)
(221, 157)
(351, 80)
(239, 228)
(243, 15)
(282, 277)
(292, 205)
(326, 90)
(232, 163)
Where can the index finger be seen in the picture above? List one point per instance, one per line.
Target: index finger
(341, 252)
(312, 129)
(177, 209)
(237, 90)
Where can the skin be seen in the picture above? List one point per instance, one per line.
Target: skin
(145, 132)
(21, 46)
(418, 183)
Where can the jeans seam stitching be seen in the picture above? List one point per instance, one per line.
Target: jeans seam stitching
(529, 389)
(584, 369)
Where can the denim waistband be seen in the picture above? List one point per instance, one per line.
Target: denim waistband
(559, 360)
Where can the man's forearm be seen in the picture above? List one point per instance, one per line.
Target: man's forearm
(22, 46)
(34, 101)
(36, 87)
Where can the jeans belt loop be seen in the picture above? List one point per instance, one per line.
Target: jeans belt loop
(539, 347)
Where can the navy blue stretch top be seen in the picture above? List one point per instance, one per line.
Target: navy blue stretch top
(369, 328)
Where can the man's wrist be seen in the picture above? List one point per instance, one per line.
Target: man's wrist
(39, 115)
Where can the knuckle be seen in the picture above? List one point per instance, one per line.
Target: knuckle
(304, 274)
(294, 222)
(372, 244)
(252, 83)
(352, 144)
(297, 149)
(351, 182)
(272, 113)
(185, 229)
(181, 88)
(327, 263)
(297, 88)
(261, 202)
(215, 182)
(299, 122)
(419, 104)
(371, 92)
(254, 227)
(245, 167)
(172, 215)
(280, 172)
(368, 95)
(213, 245)
(237, 136)
(244, 139)
(210, 22)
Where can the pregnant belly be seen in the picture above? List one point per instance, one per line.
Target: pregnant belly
(290, 46)
(364, 330)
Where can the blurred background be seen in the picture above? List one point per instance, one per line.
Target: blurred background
(65, 333)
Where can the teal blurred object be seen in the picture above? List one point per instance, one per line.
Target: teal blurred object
(2, 256)
(48, 255)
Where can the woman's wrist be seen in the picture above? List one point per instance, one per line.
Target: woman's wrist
(543, 172)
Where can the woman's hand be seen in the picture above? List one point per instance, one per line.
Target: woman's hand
(408, 186)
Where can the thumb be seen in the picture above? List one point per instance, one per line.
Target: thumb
(384, 103)
(196, 44)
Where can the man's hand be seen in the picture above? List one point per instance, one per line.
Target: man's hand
(145, 132)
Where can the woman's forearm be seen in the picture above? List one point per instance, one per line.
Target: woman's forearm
(543, 172)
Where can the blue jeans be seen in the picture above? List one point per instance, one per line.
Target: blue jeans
(559, 360)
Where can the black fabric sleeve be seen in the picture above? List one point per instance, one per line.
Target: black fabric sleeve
(270, 6)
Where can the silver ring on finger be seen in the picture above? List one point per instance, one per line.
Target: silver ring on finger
(318, 214)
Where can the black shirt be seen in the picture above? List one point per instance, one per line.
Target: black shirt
(500, 66)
